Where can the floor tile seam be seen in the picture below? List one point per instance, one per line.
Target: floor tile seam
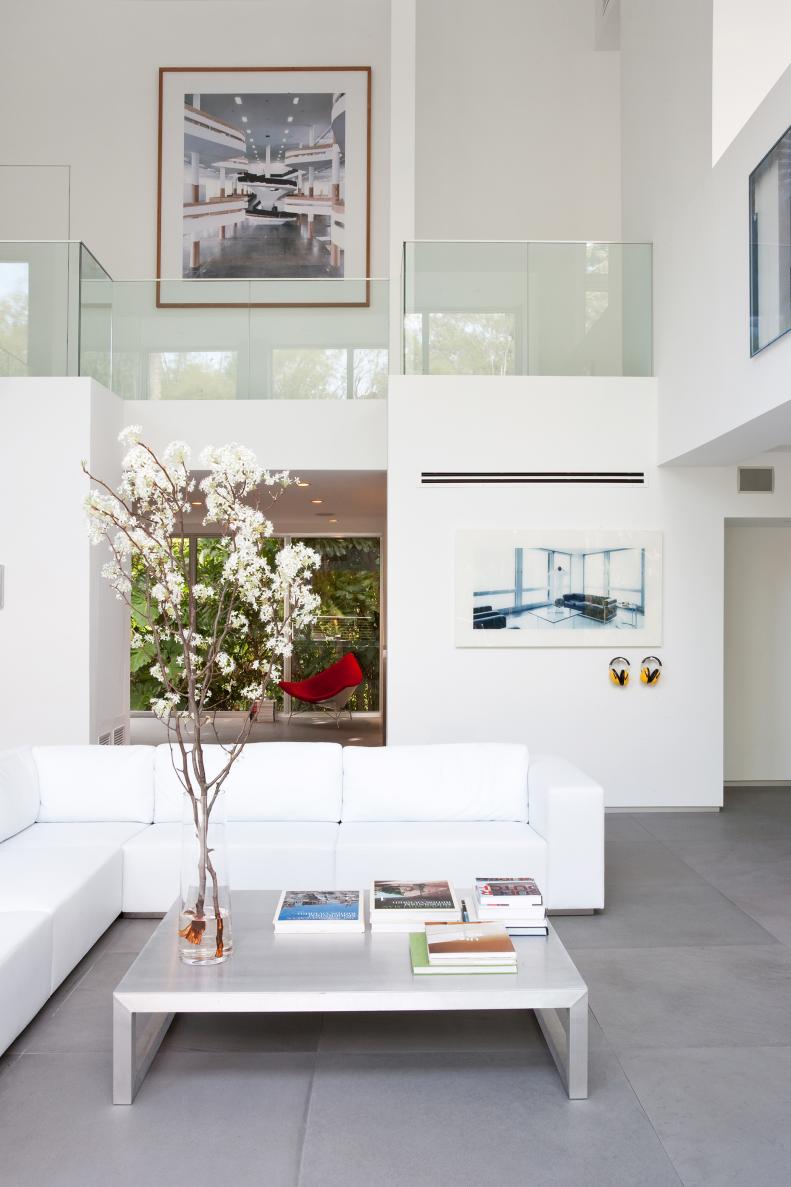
(305, 1122)
(700, 1048)
(664, 842)
(646, 1114)
(775, 943)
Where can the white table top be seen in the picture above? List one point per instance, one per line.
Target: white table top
(333, 972)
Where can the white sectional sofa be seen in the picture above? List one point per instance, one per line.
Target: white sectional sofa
(87, 832)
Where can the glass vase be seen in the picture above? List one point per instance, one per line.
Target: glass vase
(204, 929)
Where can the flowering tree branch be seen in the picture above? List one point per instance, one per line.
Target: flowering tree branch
(144, 522)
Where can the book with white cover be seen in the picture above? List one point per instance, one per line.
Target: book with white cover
(527, 922)
(421, 966)
(398, 905)
(507, 890)
(319, 911)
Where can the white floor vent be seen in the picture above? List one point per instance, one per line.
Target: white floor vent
(756, 480)
(119, 735)
(106, 739)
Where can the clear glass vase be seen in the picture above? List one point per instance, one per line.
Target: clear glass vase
(205, 935)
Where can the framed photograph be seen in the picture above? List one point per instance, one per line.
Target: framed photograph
(264, 186)
(558, 589)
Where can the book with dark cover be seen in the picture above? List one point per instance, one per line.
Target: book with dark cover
(413, 896)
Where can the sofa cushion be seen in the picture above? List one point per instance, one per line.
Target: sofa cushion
(107, 834)
(262, 855)
(95, 783)
(486, 781)
(25, 969)
(19, 804)
(79, 887)
(269, 781)
(458, 850)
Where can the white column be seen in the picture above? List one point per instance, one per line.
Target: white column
(336, 173)
(195, 176)
(222, 181)
(403, 22)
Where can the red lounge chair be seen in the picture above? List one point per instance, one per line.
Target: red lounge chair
(329, 689)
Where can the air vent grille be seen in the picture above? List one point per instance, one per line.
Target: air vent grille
(106, 739)
(754, 480)
(505, 477)
(119, 735)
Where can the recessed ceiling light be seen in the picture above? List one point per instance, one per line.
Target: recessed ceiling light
(244, 119)
(300, 482)
(237, 98)
(333, 520)
(295, 99)
(317, 502)
(290, 119)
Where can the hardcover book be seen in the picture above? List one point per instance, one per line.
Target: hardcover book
(421, 966)
(319, 910)
(413, 896)
(507, 890)
(477, 943)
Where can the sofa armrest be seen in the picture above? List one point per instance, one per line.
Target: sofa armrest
(566, 808)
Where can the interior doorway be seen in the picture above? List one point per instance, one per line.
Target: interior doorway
(342, 515)
(757, 651)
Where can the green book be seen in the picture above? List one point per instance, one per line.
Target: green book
(418, 953)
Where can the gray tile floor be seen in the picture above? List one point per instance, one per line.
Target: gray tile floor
(689, 972)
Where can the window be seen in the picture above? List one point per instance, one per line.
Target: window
(193, 375)
(329, 373)
(770, 246)
(14, 286)
(465, 343)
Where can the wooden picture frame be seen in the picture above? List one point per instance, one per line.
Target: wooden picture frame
(242, 221)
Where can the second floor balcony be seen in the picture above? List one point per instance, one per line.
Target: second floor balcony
(465, 309)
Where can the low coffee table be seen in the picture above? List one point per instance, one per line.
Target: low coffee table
(279, 974)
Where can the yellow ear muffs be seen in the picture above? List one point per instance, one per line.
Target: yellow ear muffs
(619, 671)
(651, 670)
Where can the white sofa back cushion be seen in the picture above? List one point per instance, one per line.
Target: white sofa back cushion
(269, 781)
(486, 781)
(83, 783)
(18, 792)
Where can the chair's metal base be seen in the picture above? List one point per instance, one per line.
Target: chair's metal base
(335, 706)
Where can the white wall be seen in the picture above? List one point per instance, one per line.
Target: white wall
(751, 49)
(757, 652)
(86, 75)
(648, 747)
(518, 122)
(697, 218)
(284, 434)
(63, 636)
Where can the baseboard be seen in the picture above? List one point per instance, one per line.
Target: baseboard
(664, 808)
(572, 911)
(143, 914)
(737, 783)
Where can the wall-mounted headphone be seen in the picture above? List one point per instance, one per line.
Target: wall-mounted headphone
(651, 670)
(619, 671)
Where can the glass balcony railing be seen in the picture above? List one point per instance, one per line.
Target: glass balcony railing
(62, 314)
(468, 309)
(527, 308)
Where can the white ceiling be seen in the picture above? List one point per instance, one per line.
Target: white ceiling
(357, 499)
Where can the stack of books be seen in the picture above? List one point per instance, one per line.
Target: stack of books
(516, 903)
(462, 948)
(319, 911)
(407, 906)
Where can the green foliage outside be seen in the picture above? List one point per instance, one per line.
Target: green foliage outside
(243, 647)
(13, 334)
(348, 584)
(461, 343)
